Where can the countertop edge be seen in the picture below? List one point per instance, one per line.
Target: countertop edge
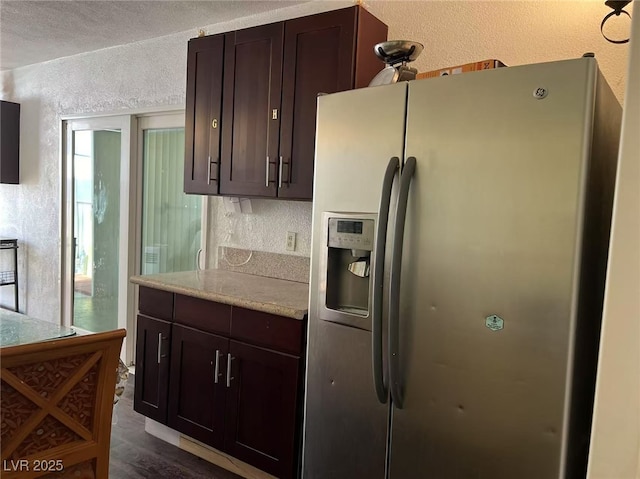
(271, 308)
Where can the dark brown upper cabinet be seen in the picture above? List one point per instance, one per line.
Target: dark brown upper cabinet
(272, 75)
(203, 114)
(323, 53)
(9, 142)
(251, 110)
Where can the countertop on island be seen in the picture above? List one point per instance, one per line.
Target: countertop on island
(275, 296)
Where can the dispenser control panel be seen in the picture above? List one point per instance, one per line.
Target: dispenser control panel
(351, 233)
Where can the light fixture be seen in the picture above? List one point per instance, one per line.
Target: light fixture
(618, 8)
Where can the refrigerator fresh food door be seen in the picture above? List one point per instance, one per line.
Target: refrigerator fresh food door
(489, 271)
(345, 432)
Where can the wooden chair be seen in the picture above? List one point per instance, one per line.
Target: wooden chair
(56, 401)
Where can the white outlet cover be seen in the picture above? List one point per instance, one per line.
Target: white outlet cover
(291, 241)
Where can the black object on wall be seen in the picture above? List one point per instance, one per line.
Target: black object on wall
(9, 142)
(618, 8)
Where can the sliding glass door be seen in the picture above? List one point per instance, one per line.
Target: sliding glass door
(96, 228)
(124, 213)
(96, 263)
(171, 229)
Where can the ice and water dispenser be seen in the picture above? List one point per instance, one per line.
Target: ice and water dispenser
(348, 264)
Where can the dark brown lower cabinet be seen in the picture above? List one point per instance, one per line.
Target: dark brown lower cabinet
(197, 387)
(152, 368)
(261, 408)
(236, 387)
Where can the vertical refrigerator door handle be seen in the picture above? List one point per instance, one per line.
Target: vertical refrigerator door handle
(394, 283)
(378, 279)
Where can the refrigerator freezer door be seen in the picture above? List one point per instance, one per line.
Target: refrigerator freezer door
(345, 432)
(489, 269)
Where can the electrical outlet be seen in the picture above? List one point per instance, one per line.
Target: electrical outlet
(291, 241)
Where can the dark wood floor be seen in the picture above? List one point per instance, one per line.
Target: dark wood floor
(136, 454)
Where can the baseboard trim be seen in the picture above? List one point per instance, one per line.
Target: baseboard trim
(221, 459)
(161, 431)
(204, 451)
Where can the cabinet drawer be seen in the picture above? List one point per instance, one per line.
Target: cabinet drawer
(201, 314)
(156, 303)
(268, 330)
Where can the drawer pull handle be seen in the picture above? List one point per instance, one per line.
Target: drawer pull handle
(213, 168)
(159, 347)
(266, 175)
(229, 377)
(216, 370)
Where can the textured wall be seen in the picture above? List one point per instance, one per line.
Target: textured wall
(151, 74)
(615, 448)
(116, 79)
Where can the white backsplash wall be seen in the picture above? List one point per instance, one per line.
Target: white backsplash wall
(264, 229)
(152, 74)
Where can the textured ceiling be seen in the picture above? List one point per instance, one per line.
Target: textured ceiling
(37, 31)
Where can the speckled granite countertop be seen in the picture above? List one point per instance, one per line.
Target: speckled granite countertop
(275, 296)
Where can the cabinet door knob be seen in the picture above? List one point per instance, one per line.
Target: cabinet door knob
(274, 114)
(214, 123)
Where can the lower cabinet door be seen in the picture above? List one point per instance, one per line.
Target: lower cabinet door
(152, 368)
(262, 404)
(197, 384)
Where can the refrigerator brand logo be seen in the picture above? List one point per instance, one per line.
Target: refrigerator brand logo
(540, 93)
(494, 323)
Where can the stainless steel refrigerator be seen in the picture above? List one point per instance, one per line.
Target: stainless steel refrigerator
(459, 247)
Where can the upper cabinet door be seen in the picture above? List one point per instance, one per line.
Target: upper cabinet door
(203, 114)
(251, 111)
(323, 53)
